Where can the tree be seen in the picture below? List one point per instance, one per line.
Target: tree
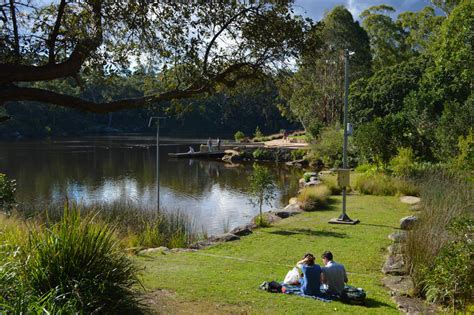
(387, 37)
(209, 44)
(315, 92)
(262, 188)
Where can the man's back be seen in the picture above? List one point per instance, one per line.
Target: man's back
(335, 277)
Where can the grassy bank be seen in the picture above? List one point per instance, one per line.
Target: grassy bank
(225, 278)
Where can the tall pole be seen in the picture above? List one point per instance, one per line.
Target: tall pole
(158, 165)
(344, 173)
(157, 159)
(344, 149)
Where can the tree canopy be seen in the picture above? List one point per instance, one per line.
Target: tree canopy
(195, 47)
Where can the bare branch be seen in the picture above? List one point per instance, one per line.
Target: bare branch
(16, 47)
(51, 42)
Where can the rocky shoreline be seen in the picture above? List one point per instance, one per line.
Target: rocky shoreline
(397, 280)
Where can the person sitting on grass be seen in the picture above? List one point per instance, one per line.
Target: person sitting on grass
(333, 275)
(311, 276)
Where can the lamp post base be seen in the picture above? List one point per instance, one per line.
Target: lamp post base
(343, 219)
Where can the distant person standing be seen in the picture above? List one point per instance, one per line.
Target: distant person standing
(218, 144)
(209, 144)
(285, 136)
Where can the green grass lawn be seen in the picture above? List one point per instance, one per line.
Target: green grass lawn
(225, 278)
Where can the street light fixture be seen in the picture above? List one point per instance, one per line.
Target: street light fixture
(344, 173)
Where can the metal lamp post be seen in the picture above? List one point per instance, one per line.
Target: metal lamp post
(344, 174)
(157, 159)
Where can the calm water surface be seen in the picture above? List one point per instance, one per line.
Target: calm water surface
(116, 169)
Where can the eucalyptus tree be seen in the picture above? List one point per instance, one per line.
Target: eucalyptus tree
(314, 93)
(208, 44)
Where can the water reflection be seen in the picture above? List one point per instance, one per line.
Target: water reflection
(116, 169)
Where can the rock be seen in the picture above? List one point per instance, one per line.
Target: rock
(313, 183)
(395, 249)
(226, 237)
(161, 249)
(413, 306)
(399, 285)
(293, 201)
(399, 236)
(415, 207)
(199, 245)
(293, 207)
(394, 265)
(411, 200)
(270, 217)
(407, 223)
(310, 174)
(299, 163)
(243, 230)
(326, 172)
(232, 158)
(182, 250)
(301, 182)
(286, 213)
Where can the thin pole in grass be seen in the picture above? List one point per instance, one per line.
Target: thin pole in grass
(343, 175)
(157, 158)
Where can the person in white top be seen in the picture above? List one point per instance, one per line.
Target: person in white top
(333, 275)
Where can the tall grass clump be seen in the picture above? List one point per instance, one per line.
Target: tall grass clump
(314, 198)
(73, 266)
(135, 226)
(381, 184)
(439, 249)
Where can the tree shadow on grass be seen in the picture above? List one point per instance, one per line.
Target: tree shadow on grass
(379, 225)
(309, 232)
(329, 205)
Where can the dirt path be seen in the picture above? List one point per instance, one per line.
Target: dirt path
(280, 143)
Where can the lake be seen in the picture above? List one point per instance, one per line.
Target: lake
(123, 169)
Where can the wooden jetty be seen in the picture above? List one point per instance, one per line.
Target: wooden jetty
(199, 154)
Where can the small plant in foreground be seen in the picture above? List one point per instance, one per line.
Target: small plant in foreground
(7, 190)
(262, 188)
(74, 265)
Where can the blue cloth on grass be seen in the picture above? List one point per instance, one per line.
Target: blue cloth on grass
(296, 290)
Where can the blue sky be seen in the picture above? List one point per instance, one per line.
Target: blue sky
(316, 8)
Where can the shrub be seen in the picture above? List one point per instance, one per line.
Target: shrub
(451, 278)
(75, 265)
(328, 147)
(298, 154)
(314, 198)
(465, 158)
(258, 133)
(7, 190)
(239, 136)
(403, 163)
(445, 197)
(331, 183)
(262, 154)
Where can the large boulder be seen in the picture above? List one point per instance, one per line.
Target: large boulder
(161, 249)
(407, 223)
(226, 237)
(413, 306)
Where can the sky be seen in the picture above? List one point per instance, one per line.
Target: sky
(316, 8)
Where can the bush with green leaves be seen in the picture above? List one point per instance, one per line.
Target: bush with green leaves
(439, 247)
(73, 266)
(450, 280)
(298, 154)
(262, 188)
(7, 190)
(258, 134)
(239, 136)
(403, 163)
(328, 147)
(262, 154)
(381, 184)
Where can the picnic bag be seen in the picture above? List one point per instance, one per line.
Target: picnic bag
(273, 287)
(292, 277)
(354, 295)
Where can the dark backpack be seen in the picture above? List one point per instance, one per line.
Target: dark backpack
(353, 295)
(273, 287)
